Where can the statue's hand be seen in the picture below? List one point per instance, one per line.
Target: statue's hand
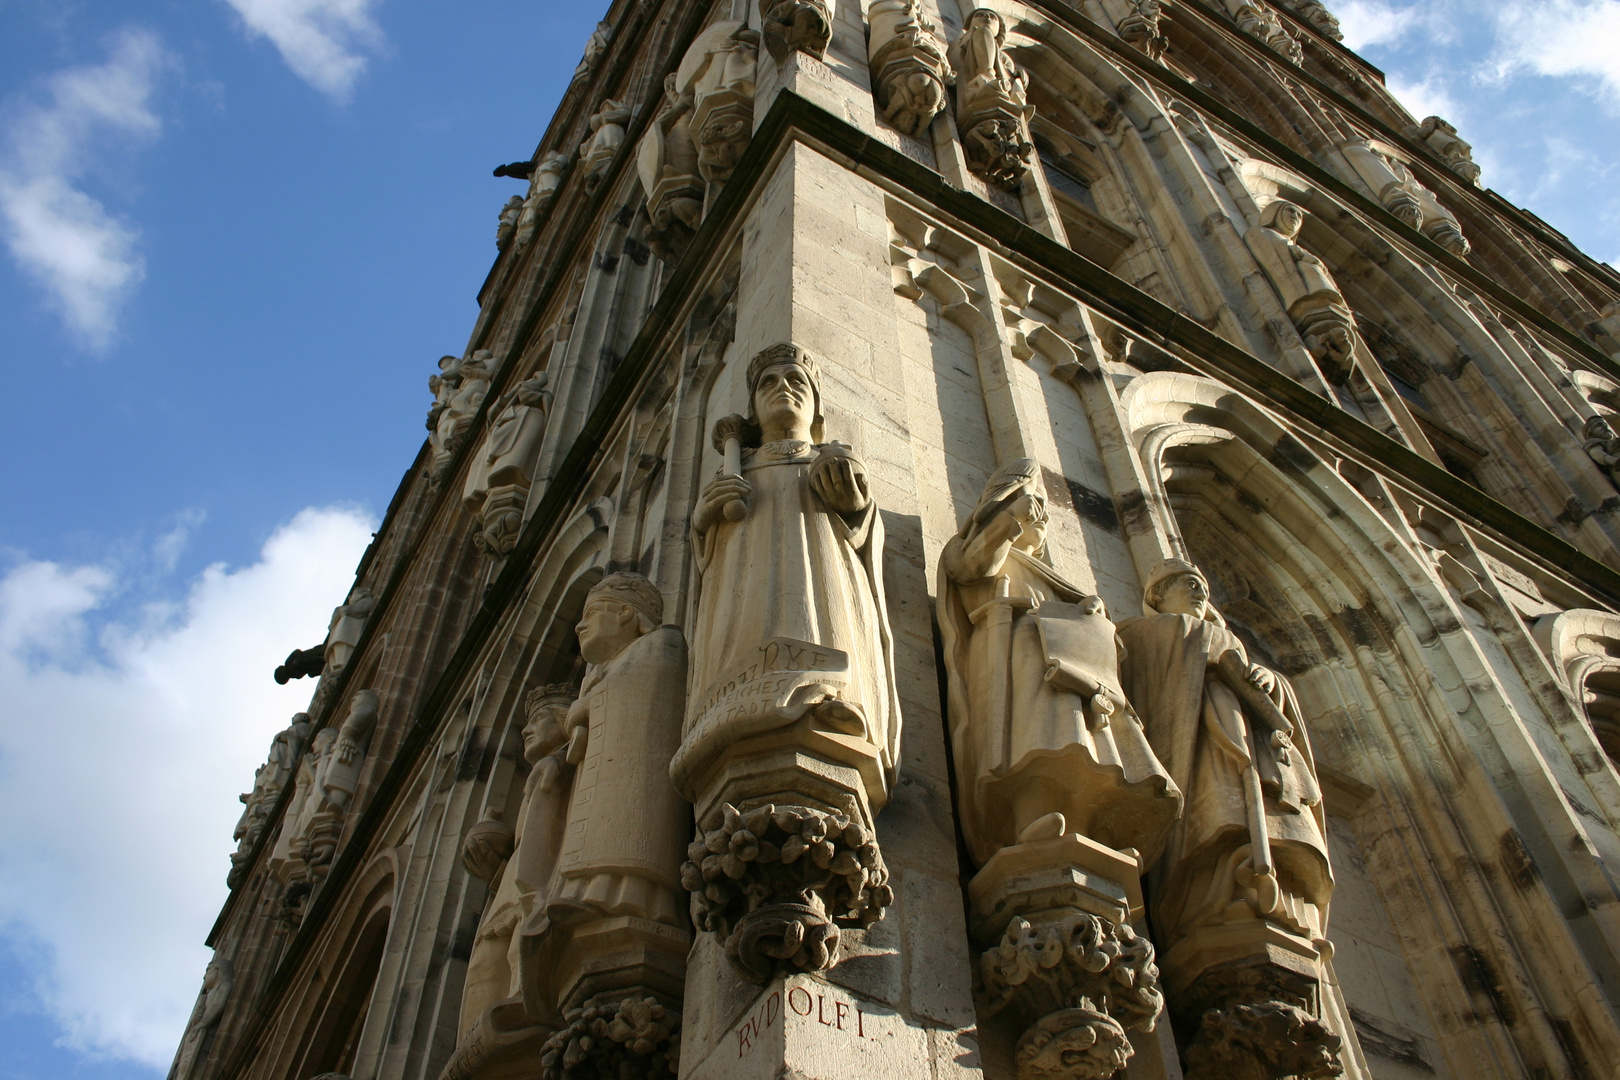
(576, 745)
(1262, 680)
(722, 492)
(840, 480)
(483, 851)
(1093, 605)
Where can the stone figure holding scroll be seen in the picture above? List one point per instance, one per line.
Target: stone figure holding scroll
(1039, 721)
(1251, 844)
(790, 625)
(1314, 302)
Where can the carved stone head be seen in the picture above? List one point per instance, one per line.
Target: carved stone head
(784, 389)
(1005, 489)
(1599, 428)
(1283, 217)
(988, 19)
(619, 610)
(1177, 587)
(546, 707)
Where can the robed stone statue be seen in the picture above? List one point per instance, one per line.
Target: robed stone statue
(1251, 844)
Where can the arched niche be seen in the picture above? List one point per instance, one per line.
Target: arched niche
(339, 1004)
(1397, 696)
(1584, 648)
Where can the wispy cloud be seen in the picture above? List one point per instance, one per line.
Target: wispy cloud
(323, 41)
(84, 257)
(1564, 38)
(1372, 22)
(123, 746)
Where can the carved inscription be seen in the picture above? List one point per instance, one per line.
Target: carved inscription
(769, 681)
(804, 1006)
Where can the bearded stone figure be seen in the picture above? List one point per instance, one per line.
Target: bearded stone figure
(608, 925)
(1314, 302)
(791, 656)
(1039, 722)
(1245, 880)
(517, 861)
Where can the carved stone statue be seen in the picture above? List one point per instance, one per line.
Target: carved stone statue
(607, 135)
(348, 622)
(1317, 14)
(595, 46)
(797, 26)
(1443, 139)
(1603, 447)
(1256, 17)
(1141, 27)
(510, 213)
(609, 925)
(218, 980)
(1039, 721)
(992, 102)
(791, 655)
(517, 861)
(702, 128)
(1402, 195)
(1308, 291)
(1249, 863)
(443, 387)
(285, 750)
(497, 486)
(466, 397)
(543, 185)
(910, 70)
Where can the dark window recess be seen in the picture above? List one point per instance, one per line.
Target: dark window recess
(1411, 393)
(1065, 182)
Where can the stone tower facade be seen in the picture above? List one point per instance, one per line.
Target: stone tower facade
(1051, 540)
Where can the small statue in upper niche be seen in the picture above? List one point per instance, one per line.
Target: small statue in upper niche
(1603, 447)
(510, 213)
(1252, 844)
(1308, 291)
(992, 102)
(1317, 14)
(607, 135)
(1443, 139)
(543, 185)
(348, 622)
(497, 487)
(595, 46)
(1141, 27)
(797, 25)
(909, 66)
(1045, 740)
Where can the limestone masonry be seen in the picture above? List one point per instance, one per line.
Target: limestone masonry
(1051, 540)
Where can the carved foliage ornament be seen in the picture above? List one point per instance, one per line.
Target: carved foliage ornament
(628, 1038)
(774, 881)
(1087, 980)
(1265, 1041)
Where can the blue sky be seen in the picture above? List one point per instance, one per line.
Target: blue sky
(237, 235)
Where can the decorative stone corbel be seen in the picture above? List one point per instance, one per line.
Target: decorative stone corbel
(909, 67)
(992, 102)
(1442, 138)
(797, 26)
(790, 736)
(1141, 27)
(629, 1038)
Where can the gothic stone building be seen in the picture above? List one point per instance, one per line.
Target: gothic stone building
(1057, 539)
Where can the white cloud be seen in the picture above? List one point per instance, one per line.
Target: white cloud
(1372, 22)
(123, 747)
(321, 40)
(1564, 38)
(84, 257)
(1431, 97)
